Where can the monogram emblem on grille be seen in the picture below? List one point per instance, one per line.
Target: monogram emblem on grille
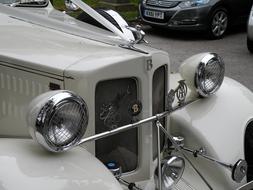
(180, 93)
(135, 108)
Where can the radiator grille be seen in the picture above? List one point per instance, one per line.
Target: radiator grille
(163, 3)
(112, 101)
(158, 102)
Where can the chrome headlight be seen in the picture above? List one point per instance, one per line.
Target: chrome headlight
(58, 120)
(172, 171)
(203, 73)
(209, 75)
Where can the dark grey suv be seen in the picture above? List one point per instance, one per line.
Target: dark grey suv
(212, 16)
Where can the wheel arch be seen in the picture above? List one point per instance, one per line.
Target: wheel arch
(220, 4)
(25, 165)
(218, 124)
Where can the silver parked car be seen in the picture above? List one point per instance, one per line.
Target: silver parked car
(212, 16)
(250, 32)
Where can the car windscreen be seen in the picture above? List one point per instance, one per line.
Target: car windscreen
(16, 3)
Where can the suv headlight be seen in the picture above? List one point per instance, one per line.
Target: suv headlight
(193, 3)
(58, 120)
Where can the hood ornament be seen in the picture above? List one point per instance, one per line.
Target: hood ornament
(138, 33)
(139, 38)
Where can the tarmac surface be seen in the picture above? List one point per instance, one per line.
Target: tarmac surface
(232, 48)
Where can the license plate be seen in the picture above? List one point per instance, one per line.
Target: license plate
(154, 14)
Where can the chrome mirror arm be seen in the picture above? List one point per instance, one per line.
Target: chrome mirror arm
(239, 169)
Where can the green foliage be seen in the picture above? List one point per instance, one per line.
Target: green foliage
(128, 15)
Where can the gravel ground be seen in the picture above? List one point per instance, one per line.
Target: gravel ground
(232, 48)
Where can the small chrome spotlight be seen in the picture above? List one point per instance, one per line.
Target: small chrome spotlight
(172, 171)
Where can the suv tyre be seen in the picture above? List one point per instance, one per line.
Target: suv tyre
(218, 23)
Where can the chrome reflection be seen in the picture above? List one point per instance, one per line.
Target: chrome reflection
(58, 121)
(172, 168)
(209, 74)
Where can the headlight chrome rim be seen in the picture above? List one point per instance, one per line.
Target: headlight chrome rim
(200, 74)
(45, 118)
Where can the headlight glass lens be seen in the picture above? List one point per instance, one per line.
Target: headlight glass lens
(64, 127)
(193, 3)
(209, 75)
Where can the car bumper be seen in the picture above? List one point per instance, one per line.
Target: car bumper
(177, 18)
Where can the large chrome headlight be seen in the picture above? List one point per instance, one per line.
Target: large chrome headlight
(58, 120)
(209, 74)
(204, 73)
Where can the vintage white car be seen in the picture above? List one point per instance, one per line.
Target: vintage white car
(85, 108)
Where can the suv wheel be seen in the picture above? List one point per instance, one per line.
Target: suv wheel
(218, 23)
(250, 45)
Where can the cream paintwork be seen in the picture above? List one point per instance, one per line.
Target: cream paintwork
(58, 21)
(24, 165)
(18, 88)
(45, 52)
(218, 123)
(86, 76)
(80, 63)
(38, 47)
